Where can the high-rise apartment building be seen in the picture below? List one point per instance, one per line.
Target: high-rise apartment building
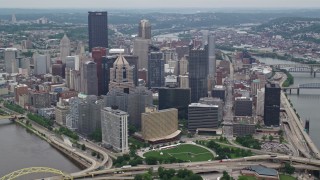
(144, 29)
(98, 29)
(198, 73)
(89, 78)
(272, 105)
(114, 125)
(156, 70)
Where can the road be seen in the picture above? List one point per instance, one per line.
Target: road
(228, 113)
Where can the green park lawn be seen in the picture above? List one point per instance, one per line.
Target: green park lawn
(286, 177)
(185, 152)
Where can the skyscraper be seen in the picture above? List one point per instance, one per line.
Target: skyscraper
(89, 78)
(98, 29)
(97, 54)
(64, 48)
(145, 29)
(212, 63)
(121, 75)
(272, 105)
(141, 49)
(114, 125)
(155, 70)
(198, 73)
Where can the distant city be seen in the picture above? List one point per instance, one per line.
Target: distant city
(126, 95)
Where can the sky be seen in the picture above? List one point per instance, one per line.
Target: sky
(143, 4)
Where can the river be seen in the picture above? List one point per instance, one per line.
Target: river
(20, 149)
(307, 103)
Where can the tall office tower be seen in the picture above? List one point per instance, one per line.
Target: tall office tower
(73, 115)
(272, 105)
(97, 54)
(89, 78)
(89, 110)
(260, 102)
(198, 73)
(133, 62)
(202, 116)
(169, 54)
(214, 101)
(155, 70)
(59, 70)
(72, 62)
(183, 66)
(98, 29)
(114, 125)
(141, 49)
(64, 48)
(10, 55)
(145, 29)
(41, 64)
(121, 75)
(175, 98)
(212, 63)
(182, 51)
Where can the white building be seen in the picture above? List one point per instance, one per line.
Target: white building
(260, 102)
(10, 55)
(114, 125)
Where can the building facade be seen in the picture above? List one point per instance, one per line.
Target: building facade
(243, 106)
(144, 29)
(114, 125)
(159, 125)
(260, 102)
(64, 48)
(89, 78)
(156, 70)
(202, 116)
(198, 73)
(272, 105)
(98, 29)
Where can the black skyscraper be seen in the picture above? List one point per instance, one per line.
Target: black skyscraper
(98, 29)
(272, 105)
(198, 73)
(155, 70)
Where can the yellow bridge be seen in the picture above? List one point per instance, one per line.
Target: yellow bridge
(32, 170)
(11, 117)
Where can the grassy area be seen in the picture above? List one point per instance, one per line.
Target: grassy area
(14, 107)
(184, 152)
(247, 178)
(286, 177)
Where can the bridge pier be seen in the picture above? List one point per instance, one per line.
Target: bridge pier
(298, 91)
(290, 91)
(314, 74)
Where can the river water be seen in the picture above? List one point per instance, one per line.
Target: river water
(20, 149)
(307, 103)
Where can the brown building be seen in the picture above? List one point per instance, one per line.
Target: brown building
(59, 70)
(159, 125)
(68, 94)
(19, 90)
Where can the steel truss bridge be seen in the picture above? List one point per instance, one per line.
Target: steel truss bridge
(32, 170)
(313, 69)
(302, 86)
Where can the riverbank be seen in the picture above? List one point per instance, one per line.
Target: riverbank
(79, 163)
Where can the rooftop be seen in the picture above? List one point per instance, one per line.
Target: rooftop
(262, 170)
(202, 105)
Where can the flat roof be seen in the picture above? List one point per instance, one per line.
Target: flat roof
(262, 170)
(201, 105)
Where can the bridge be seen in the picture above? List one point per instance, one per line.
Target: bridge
(12, 117)
(300, 68)
(302, 86)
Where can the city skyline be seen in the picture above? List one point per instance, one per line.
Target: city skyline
(141, 4)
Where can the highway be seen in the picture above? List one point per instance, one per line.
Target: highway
(302, 140)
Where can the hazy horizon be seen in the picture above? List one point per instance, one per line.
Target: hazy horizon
(144, 4)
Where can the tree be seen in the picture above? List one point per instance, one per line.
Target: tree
(225, 176)
(83, 147)
(93, 153)
(288, 168)
(280, 132)
(264, 137)
(194, 177)
(98, 156)
(281, 139)
(183, 173)
(151, 160)
(270, 138)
